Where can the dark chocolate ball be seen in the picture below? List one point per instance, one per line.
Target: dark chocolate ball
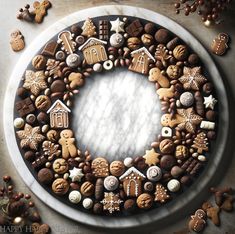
(130, 205)
(162, 36)
(149, 28)
(45, 176)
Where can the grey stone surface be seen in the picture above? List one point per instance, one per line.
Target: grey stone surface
(7, 61)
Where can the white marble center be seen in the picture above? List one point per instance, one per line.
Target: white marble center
(116, 114)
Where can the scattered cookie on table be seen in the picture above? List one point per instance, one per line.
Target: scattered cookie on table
(25, 14)
(40, 10)
(17, 41)
(219, 45)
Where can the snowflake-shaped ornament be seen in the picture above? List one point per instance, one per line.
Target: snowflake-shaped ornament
(111, 202)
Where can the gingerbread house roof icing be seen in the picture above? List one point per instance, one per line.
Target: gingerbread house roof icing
(143, 50)
(58, 104)
(131, 170)
(90, 42)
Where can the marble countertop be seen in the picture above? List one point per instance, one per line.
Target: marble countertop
(30, 32)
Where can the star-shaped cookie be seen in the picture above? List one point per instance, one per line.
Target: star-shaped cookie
(190, 119)
(35, 81)
(117, 26)
(151, 157)
(192, 78)
(76, 174)
(210, 102)
(30, 137)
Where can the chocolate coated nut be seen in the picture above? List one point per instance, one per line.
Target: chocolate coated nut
(42, 103)
(130, 205)
(166, 146)
(39, 62)
(75, 29)
(149, 28)
(207, 88)
(180, 52)
(185, 180)
(22, 92)
(193, 59)
(133, 43)
(45, 176)
(29, 155)
(87, 188)
(176, 171)
(167, 162)
(147, 39)
(140, 163)
(57, 86)
(162, 36)
(144, 201)
(210, 115)
(42, 117)
(98, 208)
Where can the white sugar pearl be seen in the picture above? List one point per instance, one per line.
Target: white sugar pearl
(18, 123)
(128, 162)
(173, 185)
(75, 197)
(97, 67)
(87, 203)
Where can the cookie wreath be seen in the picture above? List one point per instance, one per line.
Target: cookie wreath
(43, 111)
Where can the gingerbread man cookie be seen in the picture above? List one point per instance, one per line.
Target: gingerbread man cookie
(40, 10)
(67, 142)
(155, 75)
(219, 45)
(17, 41)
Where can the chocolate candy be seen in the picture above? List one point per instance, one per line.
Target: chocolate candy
(111, 183)
(75, 197)
(149, 28)
(45, 176)
(167, 162)
(154, 173)
(130, 205)
(162, 36)
(87, 188)
(166, 146)
(117, 168)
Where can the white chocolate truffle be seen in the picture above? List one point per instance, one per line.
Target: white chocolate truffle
(154, 173)
(111, 183)
(73, 60)
(116, 40)
(173, 185)
(18, 123)
(128, 162)
(87, 203)
(75, 197)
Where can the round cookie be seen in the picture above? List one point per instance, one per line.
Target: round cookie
(60, 186)
(117, 168)
(144, 201)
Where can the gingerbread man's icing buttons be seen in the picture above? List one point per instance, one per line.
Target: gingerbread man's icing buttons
(17, 41)
(219, 45)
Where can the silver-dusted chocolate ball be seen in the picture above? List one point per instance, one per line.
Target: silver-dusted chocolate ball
(111, 183)
(116, 40)
(186, 99)
(73, 60)
(154, 173)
